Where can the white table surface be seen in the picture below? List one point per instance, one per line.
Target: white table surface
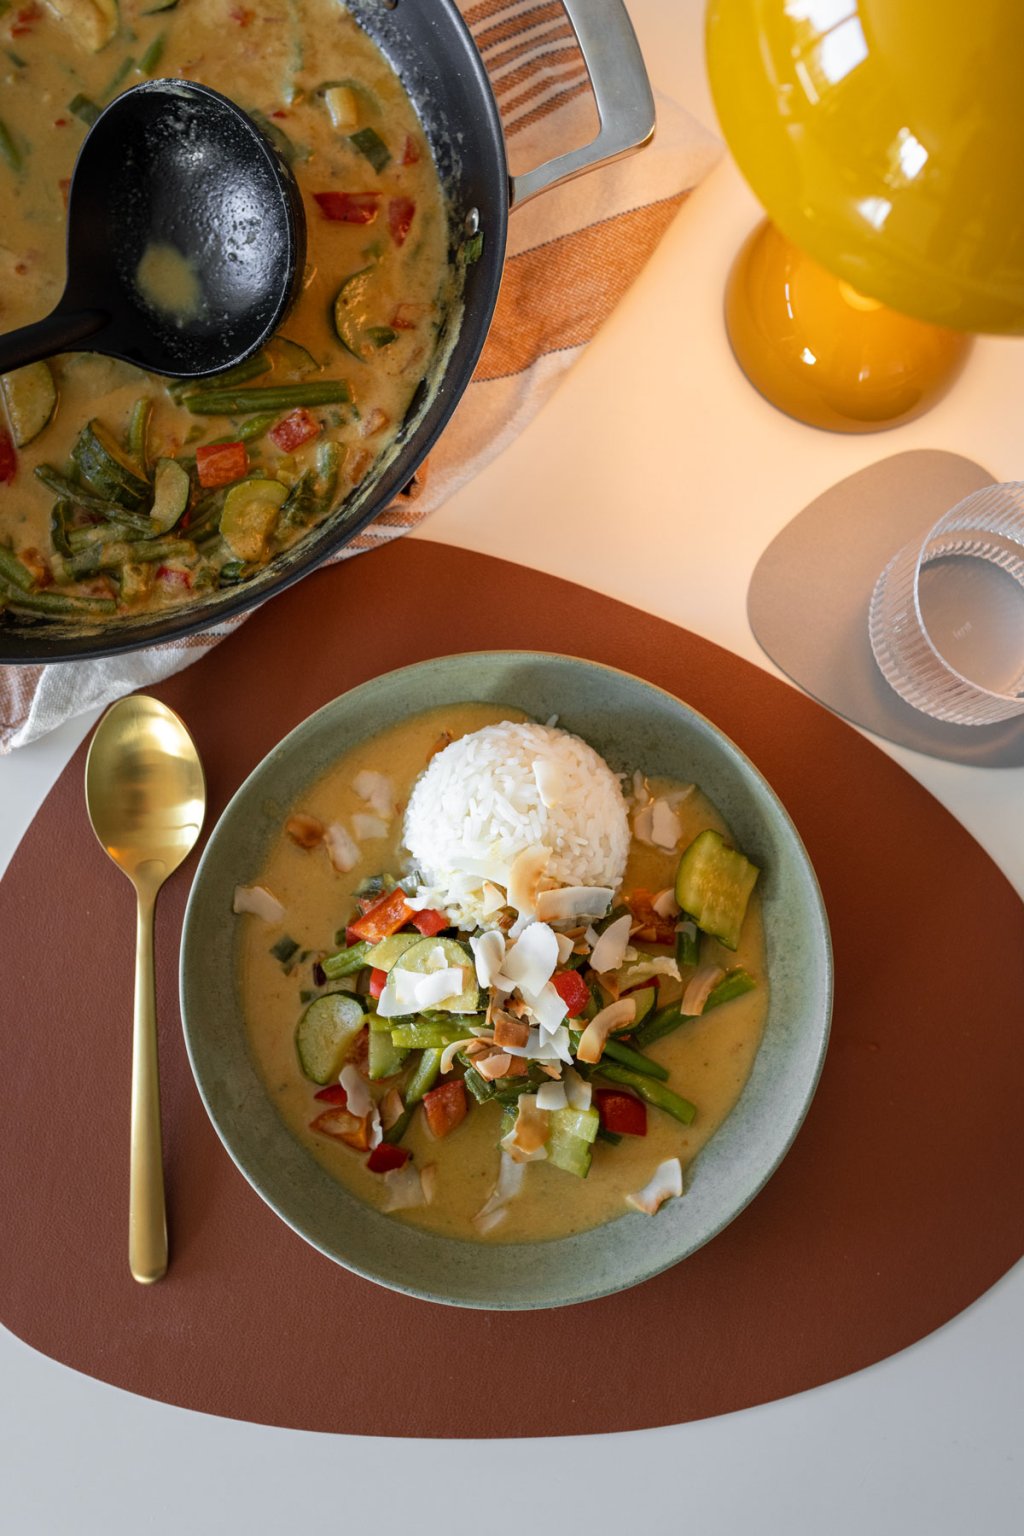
(687, 474)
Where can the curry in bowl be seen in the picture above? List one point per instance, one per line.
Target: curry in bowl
(122, 493)
(496, 989)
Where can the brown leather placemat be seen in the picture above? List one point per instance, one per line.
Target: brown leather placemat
(897, 1206)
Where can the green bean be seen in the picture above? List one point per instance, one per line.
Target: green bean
(9, 151)
(687, 943)
(153, 54)
(478, 1086)
(346, 962)
(654, 1093)
(626, 1057)
(254, 427)
(612, 1137)
(15, 571)
(241, 402)
(424, 1077)
(120, 74)
(96, 533)
(239, 374)
(371, 146)
(84, 108)
(733, 984)
(427, 1036)
(81, 497)
(58, 602)
(395, 1133)
(107, 557)
(138, 431)
(60, 531)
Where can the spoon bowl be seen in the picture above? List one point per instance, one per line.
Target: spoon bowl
(186, 237)
(146, 797)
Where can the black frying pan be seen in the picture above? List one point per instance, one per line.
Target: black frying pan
(428, 45)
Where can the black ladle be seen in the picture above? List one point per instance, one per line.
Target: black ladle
(173, 164)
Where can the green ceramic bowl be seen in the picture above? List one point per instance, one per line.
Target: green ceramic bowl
(632, 724)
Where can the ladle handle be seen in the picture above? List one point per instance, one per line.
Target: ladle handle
(147, 1220)
(59, 332)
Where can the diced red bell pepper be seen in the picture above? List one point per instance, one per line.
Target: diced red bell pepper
(378, 981)
(621, 1113)
(8, 457)
(411, 152)
(348, 207)
(573, 991)
(221, 464)
(401, 212)
(334, 1093)
(25, 19)
(654, 928)
(428, 922)
(351, 937)
(173, 576)
(297, 427)
(343, 1126)
(384, 918)
(385, 1157)
(445, 1107)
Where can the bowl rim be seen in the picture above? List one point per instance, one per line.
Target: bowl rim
(824, 984)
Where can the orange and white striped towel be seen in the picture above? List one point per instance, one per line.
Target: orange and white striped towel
(572, 254)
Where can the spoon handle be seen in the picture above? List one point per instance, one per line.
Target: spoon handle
(59, 332)
(147, 1221)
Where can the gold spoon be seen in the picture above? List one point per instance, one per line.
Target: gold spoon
(146, 797)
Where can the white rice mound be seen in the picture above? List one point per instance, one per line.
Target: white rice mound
(478, 805)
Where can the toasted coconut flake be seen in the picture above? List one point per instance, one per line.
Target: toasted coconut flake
(428, 1182)
(450, 1052)
(665, 825)
(577, 1090)
(479, 1045)
(641, 790)
(367, 828)
(304, 830)
(665, 903)
(377, 790)
(655, 965)
(341, 848)
(525, 1141)
(258, 900)
(493, 1066)
(615, 1016)
(357, 1094)
(610, 950)
(518, 1066)
(548, 1007)
(666, 1184)
(492, 899)
(550, 780)
(404, 1187)
(564, 947)
(392, 1108)
(566, 903)
(530, 964)
(524, 878)
(551, 1096)
(439, 986)
(509, 1031)
(489, 953)
(699, 988)
(643, 825)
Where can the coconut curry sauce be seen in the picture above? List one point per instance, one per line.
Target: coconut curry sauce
(92, 521)
(709, 1058)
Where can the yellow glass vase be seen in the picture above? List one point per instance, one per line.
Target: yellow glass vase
(886, 140)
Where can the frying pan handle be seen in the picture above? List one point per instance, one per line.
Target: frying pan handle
(622, 94)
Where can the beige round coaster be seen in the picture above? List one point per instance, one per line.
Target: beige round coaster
(809, 596)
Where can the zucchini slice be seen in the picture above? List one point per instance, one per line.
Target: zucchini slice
(389, 951)
(30, 397)
(92, 22)
(713, 884)
(325, 1034)
(386, 1058)
(171, 490)
(350, 313)
(419, 958)
(104, 465)
(250, 513)
(292, 360)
